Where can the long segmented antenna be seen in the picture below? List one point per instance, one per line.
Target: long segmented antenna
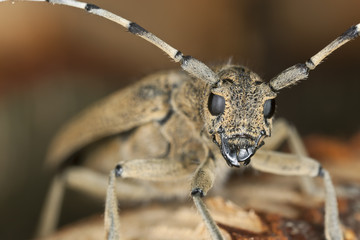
(188, 63)
(301, 71)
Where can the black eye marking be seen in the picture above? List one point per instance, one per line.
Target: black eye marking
(216, 104)
(269, 108)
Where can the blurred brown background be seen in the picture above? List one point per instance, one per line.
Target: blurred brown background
(55, 60)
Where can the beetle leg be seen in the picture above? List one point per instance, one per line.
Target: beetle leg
(112, 221)
(160, 169)
(202, 182)
(95, 183)
(289, 164)
(51, 210)
(283, 131)
(156, 169)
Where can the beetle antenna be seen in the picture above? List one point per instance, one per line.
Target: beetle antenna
(301, 71)
(191, 65)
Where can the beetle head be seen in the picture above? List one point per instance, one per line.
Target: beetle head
(238, 113)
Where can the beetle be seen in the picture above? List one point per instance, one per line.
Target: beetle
(174, 125)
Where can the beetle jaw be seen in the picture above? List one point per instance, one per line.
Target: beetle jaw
(238, 149)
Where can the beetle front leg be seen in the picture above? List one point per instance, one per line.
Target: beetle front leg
(202, 182)
(283, 131)
(161, 169)
(289, 164)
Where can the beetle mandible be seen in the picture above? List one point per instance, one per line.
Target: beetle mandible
(184, 124)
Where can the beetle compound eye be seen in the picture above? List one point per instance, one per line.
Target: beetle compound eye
(269, 108)
(216, 104)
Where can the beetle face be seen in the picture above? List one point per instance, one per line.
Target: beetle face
(239, 113)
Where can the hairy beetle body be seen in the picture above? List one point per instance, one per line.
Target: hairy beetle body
(174, 128)
(172, 121)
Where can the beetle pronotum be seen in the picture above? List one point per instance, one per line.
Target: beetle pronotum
(194, 122)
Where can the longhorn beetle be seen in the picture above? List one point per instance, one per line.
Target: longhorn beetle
(174, 125)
